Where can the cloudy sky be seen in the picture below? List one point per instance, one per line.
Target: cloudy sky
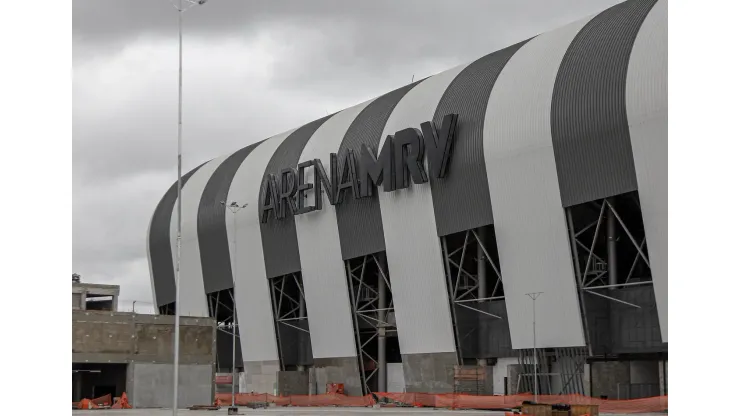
(252, 69)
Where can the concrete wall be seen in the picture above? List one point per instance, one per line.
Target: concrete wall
(606, 375)
(500, 372)
(337, 370)
(396, 382)
(119, 337)
(292, 382)
(77, 301)
(150, 385)
(261, 376)
(429, 372)
(626, 379)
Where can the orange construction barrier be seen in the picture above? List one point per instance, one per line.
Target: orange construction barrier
(447, 401)
(122, 403)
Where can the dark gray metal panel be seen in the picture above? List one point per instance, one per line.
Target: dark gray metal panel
(616, 328)
(279, 238)
(461, 199)
(359, 221)
(590, 132)
(214, 242)
(160, 248)
(483, 336)
(224, 342)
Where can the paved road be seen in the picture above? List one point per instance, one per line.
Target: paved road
(311, 411)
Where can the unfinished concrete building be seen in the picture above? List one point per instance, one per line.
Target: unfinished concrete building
(398, 244)
(115, 352)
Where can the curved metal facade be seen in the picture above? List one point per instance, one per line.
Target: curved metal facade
(564, 118)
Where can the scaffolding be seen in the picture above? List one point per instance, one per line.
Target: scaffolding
(373, 317)
(569, 372)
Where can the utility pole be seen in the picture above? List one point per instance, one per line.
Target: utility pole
(176, 362)
(234, 207)
(534, 296)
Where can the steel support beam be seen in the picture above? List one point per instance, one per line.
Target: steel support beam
(382, 304)
(611, 246)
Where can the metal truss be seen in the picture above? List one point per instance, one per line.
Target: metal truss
(572, 362)
(469, 287)
(599, 271)
(221, 306)
(289, 305)
(372, 303)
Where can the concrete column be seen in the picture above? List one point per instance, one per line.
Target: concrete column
(114, 303)
(663, 368)
(482, 291)
(83, 300)
(587, 380)
(382, 340)
(611, 244)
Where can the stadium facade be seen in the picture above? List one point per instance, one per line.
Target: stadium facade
(408, 231)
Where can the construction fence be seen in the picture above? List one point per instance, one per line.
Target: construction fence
(446, 401)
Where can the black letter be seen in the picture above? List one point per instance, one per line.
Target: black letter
(288, 188)
(322, 183)
(409, 154)
(268, 201)
(348, 179)
(374, 170)
(303, 187)
(439, 145)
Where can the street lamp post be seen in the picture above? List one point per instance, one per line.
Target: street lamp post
(234, 207)
(534, 296)
(176, 362)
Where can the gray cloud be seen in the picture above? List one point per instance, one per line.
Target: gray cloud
(252, 69)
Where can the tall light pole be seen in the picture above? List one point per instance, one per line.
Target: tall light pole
(534, 296)
(234, 207)
(176, 362)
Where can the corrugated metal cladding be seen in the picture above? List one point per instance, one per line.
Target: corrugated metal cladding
(279, 240)
(160, 247)
(461, 200)
(529, 220)
(251, 287)
(360, 224)
(214, 243)
(192, 296)
(647, 113)
(412, 246)
(324, 279)
(567, 117)
(589, 121)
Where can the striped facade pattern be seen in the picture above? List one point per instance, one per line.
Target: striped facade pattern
(567, 117)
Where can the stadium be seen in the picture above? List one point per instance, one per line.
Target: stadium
(456, 223)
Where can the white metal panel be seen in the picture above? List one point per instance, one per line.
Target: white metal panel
(413, 248)
(647, 113)
(529, 219)
(324, 279)
(251, 288)
(149, 262)
(192, 292)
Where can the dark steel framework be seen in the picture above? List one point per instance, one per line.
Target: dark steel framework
(291, 321)
(474, 283)
(221, 306)
(571, 361)
(598, 264)
(373, 316)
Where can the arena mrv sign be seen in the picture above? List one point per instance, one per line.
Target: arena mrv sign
(401, 161)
